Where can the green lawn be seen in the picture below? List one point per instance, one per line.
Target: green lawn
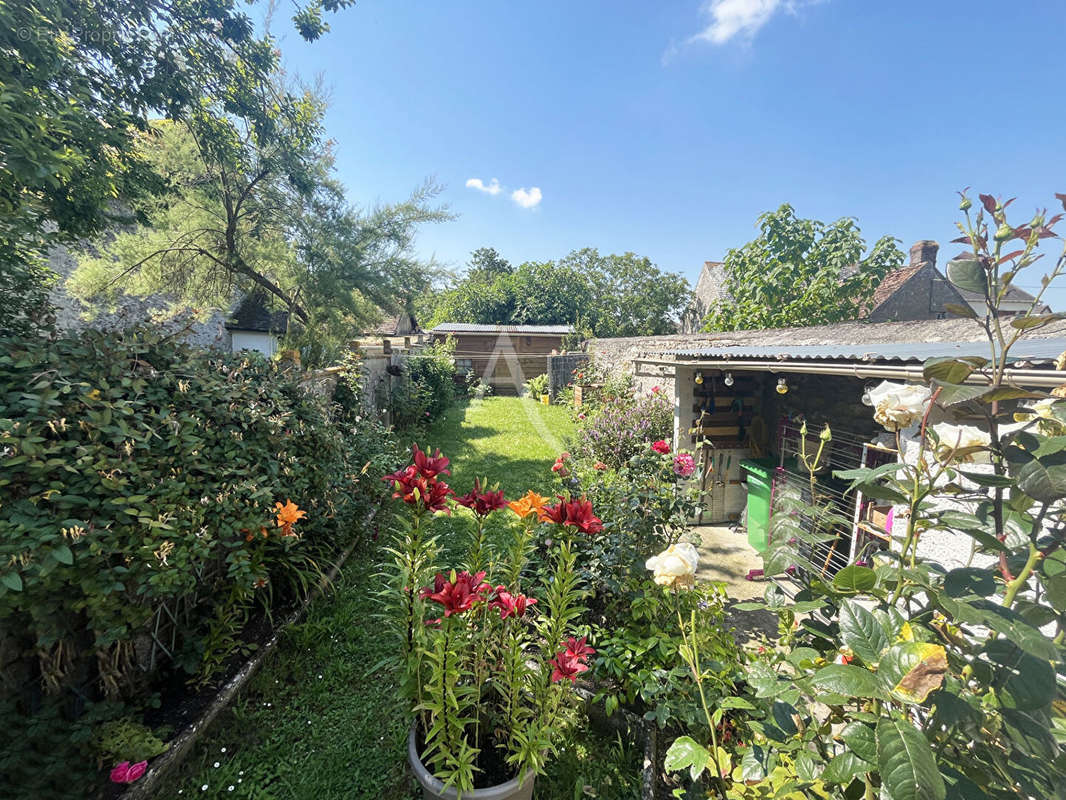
(512, 440)
(317, 722)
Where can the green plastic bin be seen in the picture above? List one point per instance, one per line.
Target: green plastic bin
(760, 481)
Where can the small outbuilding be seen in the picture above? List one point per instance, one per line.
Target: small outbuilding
(254, 326)
(743, 399)
(503, 356)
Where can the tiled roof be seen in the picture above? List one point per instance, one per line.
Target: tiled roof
(893, 281)
(253, 314)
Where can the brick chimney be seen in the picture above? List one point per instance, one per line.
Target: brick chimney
(924, 252)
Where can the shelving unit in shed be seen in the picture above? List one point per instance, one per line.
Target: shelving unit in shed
(719, 424)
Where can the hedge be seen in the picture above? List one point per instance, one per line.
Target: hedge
(139, 483)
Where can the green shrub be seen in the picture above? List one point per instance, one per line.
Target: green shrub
(621, 428)
(537, 387)
(427, 386)
(140, 478)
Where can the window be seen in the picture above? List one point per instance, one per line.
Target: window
(463, 365)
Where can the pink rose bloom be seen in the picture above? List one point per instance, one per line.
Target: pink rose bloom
(660, 447)
(128, 773)
(684, 464)
(654, 389)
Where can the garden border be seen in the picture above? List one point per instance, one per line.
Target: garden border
(180, 745)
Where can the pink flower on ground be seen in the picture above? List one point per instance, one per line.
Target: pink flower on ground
(128, 773)
(660, 447)
(684, 464)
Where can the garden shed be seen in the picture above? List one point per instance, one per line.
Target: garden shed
(504, 356)
(743, 407)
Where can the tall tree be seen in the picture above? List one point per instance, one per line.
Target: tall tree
(801, 272)
(81, 81)
(629, 295)
(258, 211)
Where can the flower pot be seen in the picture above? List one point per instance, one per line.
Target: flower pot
(433, 789)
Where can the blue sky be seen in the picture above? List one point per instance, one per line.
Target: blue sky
(667, 127)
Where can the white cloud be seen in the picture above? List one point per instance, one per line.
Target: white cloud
(527, 198)
(744, 18)
(492, 187)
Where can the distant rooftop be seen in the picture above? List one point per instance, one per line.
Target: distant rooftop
(524, 330)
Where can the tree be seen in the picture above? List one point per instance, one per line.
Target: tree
(801, 272)
(615, 295)
(486, 263)
(80, 83)
(251, 211)
(630, 295)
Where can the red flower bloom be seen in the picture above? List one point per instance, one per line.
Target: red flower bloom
(571, 660)
(458, 594)
(430, 466)
(578, 648)
(417, 489)
(575, 513)
(660, 447)
(511, 605)
(404, 475)
(482, 503)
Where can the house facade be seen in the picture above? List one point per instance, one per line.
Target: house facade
(503, 356)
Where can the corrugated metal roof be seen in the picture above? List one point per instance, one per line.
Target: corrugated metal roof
(473, 327)
(1025, 350)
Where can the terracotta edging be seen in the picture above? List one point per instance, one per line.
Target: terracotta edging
(179, 746)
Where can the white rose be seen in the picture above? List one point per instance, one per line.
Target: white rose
(675, 566)
(899, 405)
(957, 437)
(1042, 408)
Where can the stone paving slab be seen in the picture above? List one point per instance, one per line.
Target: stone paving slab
(725, 555)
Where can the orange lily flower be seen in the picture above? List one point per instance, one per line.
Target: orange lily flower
(530, 503)
(288, 515)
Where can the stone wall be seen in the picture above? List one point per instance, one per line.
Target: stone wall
(72, 315)
(620, 356)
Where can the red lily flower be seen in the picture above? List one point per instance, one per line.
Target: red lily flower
(571, 660)
(575, 513)
(482, 503)
(403, 475)
(458, 594)
(511, 605)
(660, 447)
(578, 648)
(430, 466)
(416, 489)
